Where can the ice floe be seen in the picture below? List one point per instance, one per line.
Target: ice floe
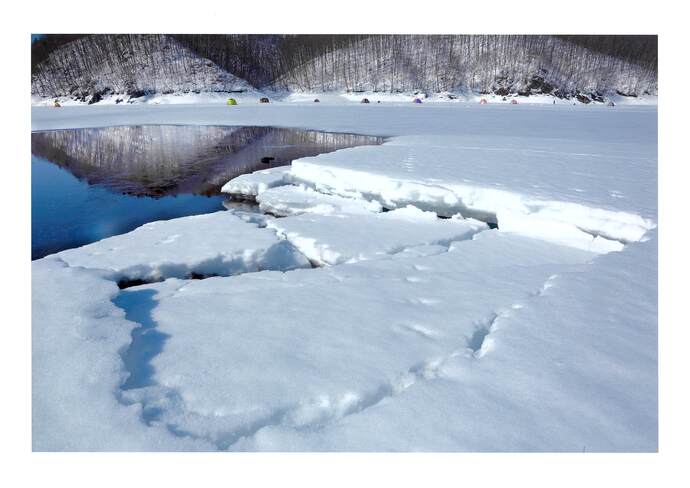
(250, 185)
(213, 244)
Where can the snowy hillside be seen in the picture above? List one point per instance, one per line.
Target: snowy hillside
(124, 68)
(483, 64)
(95, 66)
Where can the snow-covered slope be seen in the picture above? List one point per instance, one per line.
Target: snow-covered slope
(121, 67)
(482, 64)
(181, 69)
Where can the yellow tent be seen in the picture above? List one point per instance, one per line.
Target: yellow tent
(232, 101)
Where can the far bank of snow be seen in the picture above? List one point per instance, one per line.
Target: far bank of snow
(252, 96)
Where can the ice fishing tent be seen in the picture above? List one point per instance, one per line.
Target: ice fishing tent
(514, 102)
(611, 104)
(316, 100)
(417, 100)
(483, 101)
(232, 101)
(263, 100)
(365, 100)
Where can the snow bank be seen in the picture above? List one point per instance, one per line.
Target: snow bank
(214, 244)
(249, 96)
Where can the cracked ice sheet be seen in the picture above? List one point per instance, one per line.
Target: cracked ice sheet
(76, 369)
(528, 183)
(293, 200)
(220, 243)
(572, 368)
(336, 239)
(305, 349)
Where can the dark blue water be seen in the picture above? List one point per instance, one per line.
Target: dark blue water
(88, 184)
(67, 212)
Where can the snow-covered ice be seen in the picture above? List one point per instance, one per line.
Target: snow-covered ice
(213, 244)
(347, 238)
(291, 200)
(352, 336)
(419, 333)
(250, 185)
(571, 366)
(551, 190)
(77, 369)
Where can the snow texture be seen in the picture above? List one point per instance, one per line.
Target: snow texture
(417, 333)
(291, 200)
(523, 185)
(77, 369)
(208, 245)
(250, 185)
(348, 238)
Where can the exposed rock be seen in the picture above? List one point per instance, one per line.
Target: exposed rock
(137, 93)
(582, 98)
(539, 85)
(597, 97)
(95, 98)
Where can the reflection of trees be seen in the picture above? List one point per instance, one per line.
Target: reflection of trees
(163, 160)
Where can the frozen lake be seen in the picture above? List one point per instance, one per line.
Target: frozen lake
(391, 330)
(88, 184)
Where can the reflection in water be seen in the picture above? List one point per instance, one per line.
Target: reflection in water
(167, 160)
(88, 184)
(67, 213)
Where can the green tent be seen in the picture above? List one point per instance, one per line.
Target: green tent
(232, 101)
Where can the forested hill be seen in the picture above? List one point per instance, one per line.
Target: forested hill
(87, 67)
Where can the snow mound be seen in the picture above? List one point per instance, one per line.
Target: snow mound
(292, 200)
(336, 239)
(214, 244)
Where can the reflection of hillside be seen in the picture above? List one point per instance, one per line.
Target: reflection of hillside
(164, 160)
